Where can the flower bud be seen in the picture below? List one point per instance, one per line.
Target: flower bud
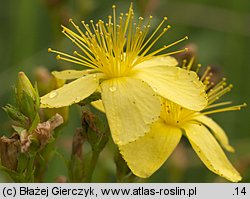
(27, 97)
(24, 85)
(96, 130)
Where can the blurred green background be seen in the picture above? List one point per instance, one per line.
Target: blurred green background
(219, 33)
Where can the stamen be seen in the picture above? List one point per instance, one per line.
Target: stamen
(72, 58)
(205, 73)
(209, 86)
(83, 57)
(58, 57)
(153, 34)
(155, 40)
(88, 31)
(216, 89)
(206, 81)
(217, 95)
(168, 46)
(116, 46)
(82, 46)
(221, 83)
(77, 28)
(184, 62)
(232, 108)
(217, 105)
(175, 52)
(190, 64)
(129, 20)
(198, 68)
(114, 21)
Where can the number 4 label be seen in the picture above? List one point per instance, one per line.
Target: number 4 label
(240, 191)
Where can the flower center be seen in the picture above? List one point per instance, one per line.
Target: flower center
(116, 46)
(175, 115)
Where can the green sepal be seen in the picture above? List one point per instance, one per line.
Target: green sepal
(18, 129)
(37, 97)
(27, 106)
(34, 123)
(16, 115)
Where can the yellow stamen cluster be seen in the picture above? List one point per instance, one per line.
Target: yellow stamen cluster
(214, 92)
(115, 47)
(175, 115)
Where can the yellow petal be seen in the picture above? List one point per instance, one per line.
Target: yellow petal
(98, 105)
(219, 133)
(158, 61)
(71, 93)
(70, 74)
(176, 84)
(131, 106)
(147, 154)
(210, 152)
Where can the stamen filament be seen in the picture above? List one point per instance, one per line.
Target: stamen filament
(217, 105)
(217, 95)
(166, 47)
(72, 58)
(205, 73)
(190, 64)
(153, 34)
(73, 61)
(232, 108)
(117, 46)
(155, 40)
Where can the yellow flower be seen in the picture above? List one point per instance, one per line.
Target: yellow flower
(145, 155)
(129, 76)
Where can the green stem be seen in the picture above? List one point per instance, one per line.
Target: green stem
(29, 174)
(47, 154)
(42, 161)
(92, 165)
(93, 97)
